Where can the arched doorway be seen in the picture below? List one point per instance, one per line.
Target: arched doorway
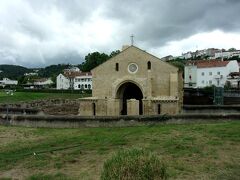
(127, 91)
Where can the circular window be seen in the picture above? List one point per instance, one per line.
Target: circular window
(132, 68)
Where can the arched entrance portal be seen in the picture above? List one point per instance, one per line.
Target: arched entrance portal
(127, 91)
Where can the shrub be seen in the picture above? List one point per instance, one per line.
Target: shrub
(134, 164)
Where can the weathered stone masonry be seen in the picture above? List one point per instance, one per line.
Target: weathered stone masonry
(134, 83)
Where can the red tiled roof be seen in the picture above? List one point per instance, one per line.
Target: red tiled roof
(208, 63)
(41, 80)
(72, 74)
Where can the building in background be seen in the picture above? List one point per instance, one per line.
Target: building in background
(200, 74)
(167, 58)
(62, 82)
(31, 74)
(8, 82)
(227, 54)
(42, 83)
(74, 79)
(83, 81)
(233, 80)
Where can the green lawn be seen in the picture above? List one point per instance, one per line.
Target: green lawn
(191, 151)
(31, 96)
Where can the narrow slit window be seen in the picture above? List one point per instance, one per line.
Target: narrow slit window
(94, 109)
(149, 65)
(117, 67)
(159, 108)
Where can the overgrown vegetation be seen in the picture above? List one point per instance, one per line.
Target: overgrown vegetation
(134, 164)
(190, 151)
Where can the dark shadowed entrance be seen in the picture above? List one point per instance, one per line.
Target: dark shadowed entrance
(127, 91)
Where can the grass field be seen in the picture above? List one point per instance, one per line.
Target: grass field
(191, 151)
(31, 96)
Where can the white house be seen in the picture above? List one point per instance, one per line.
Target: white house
(43, 82)
(83, 81)
(7, 81)
(227, 54)
(63, 82)
(187, 55)
(74, 80)
(31, 74)
(199, 74)
(72, 69)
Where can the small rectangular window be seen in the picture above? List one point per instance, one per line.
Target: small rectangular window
(159, 108)
(149, 65)
(210, 73)
(218, 73)
(202, 73)
(203, 82)
(94, 109)
(117, 67)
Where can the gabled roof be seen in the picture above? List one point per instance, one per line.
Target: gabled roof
(208, 63)
(129, 47)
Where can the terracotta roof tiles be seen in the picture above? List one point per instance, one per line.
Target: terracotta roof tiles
(72, 74)
(208, 63)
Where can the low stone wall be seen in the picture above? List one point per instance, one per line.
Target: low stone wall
(5, 110)
(49, 106)
(108, 121)
(40, 103)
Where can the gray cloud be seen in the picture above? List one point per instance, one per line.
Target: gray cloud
(158, 22)
(39, 33)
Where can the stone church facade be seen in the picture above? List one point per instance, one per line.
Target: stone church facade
(134, 82)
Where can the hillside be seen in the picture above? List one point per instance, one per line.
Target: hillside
(16, 72)
(52, 70)
(12, 71)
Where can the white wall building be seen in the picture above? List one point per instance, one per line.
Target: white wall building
(7, 81)
(31, 74)
(63, 82)
(227, 54)
(187, 55)
(72, 69)
(84, 81)
(43, 82)
(199, 74)
(74, 79)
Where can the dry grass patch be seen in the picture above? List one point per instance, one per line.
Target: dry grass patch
(191, 151)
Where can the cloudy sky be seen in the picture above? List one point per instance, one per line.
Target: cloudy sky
(37, 33)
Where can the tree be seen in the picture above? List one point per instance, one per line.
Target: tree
(178, 64)
(114, 53)
(232, 49)
(52, 70)
(94, 59)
